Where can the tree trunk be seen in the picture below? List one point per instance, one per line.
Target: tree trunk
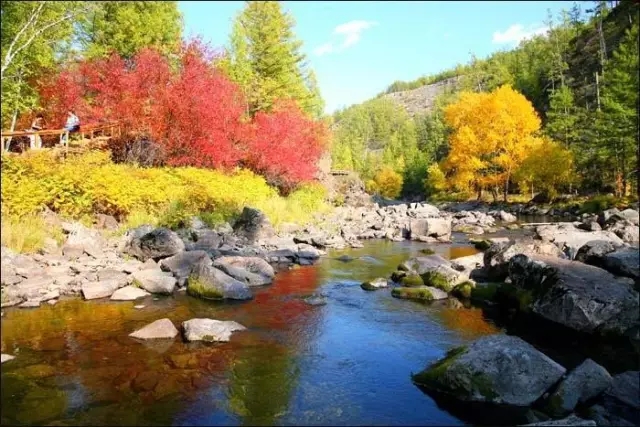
(506, 189)
(479, 192)
(13, 126)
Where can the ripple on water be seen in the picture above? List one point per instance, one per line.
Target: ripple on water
(341, 363)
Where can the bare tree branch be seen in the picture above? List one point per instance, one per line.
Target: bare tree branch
(9, 56)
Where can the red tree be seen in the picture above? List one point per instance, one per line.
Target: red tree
(285, 145)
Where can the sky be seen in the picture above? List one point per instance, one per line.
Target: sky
(358, 48)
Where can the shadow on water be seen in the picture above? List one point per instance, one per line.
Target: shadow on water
(340, 363)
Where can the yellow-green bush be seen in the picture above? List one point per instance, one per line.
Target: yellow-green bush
(388, 183)
(28, 233)
(90, 183)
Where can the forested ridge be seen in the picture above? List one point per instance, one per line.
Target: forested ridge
(581, 78)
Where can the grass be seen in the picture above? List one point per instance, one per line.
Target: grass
(28, 233)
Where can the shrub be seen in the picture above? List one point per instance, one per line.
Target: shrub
(389, 182)
(599, 203)
(435, 182)
(371, 187)
(28, 233)
(136, 149)
(83, 185)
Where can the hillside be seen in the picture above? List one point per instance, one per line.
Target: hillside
(422, 99)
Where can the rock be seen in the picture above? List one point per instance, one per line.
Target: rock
(6, 357)
(619, 404)
(594, 251)
(209, 282)
(128, 293)
(590, 225)
(443, 277)
(308, 252)
(82, 240)
(375, 284)
(111, 274)
(630, 215)
(181, 265)
(468, 229)
(570, 421)
(579, 296)
(496, 258)
(138, 307)
(623, 262)
(498, 369)
(103, 289)
(345, 258)
(130, 266)
(159, 243)
(419, 293)
(162, 328)
(253, 225)
(155, 281)
(251, 270)
(315, 300)
(439, 228)
(30, 304)
(106, 222)
(569, 237)
(582, 384)
(210, 330)
(468, 263)
(507, 217)
(422, 264)
(52, 302)
(625, 230)
(206, 240)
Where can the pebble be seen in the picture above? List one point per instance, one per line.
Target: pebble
(138, 306)
(52, 302)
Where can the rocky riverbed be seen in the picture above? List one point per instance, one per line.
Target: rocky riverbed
(580, 275)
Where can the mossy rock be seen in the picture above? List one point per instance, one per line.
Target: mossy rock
(419, 293)
(397, 276)
(463, 290)
(199, 289)
(427, 251)
(368, 286)
(433, 373)
(437, 280)
(412, 281)
(480, 244)
(515, 296)
(484, 292)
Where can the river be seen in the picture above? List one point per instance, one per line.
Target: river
(347, 362)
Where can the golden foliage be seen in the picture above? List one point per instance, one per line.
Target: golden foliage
(388, 182)
(435, 181)
(492, 135)
(90, 183)
(547, 167)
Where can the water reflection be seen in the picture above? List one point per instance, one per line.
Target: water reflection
(335, 364)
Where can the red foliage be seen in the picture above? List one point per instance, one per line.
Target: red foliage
(286, 145)
(193, 110)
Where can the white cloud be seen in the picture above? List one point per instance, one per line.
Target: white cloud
(516, 33)
(349, 31)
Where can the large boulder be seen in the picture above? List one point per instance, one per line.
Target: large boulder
(496, 369)
(623, 262)
(155, 281)
(181, 265)
(496, 258)
(436, 228)
(570, 239)
(102, 289)
(579, 296)
(253, 225)
(570, 421)
(82, 240)
(210, 330)
(593, 252)
(158, 243)
(582, 384)
(252, 270)
(625, 230)
(209, 282)
(162, 328)
(129, 293)
(619, 404)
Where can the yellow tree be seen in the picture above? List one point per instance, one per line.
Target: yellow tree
(492, 135)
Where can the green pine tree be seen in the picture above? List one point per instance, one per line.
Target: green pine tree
(562, 117)
(264, 57)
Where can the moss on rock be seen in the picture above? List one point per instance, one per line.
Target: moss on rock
(463, 290)
(197, 288)
(412, 281)
(480, 244)
(427, 251)
(431, 375)
(397, 276)
(437, 280)
(484, 292)
(417, 293)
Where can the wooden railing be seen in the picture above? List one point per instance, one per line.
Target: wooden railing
(113, 128)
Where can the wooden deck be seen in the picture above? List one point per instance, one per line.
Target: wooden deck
(90, 130)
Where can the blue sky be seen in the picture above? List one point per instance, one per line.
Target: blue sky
(358, 48)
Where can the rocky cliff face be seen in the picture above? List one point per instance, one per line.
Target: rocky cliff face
(422, 99)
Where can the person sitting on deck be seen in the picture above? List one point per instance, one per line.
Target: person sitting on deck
(72, 125)
(38, 124)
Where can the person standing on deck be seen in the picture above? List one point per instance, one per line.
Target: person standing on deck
(38, 124)
(72, 125)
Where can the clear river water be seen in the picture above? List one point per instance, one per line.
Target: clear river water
(348, 362)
